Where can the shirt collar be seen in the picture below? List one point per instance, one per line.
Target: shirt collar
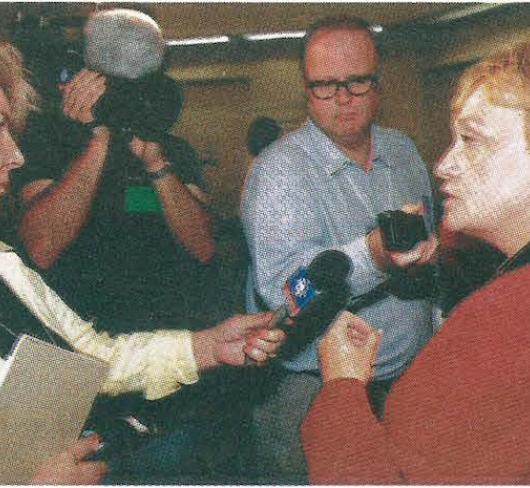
(333, 159)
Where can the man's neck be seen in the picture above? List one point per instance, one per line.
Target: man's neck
(359, 151)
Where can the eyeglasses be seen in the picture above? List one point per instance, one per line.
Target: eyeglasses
(354, 85)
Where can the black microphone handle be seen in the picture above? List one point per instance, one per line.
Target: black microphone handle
(374, 295)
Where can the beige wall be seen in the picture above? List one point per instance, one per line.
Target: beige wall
(217, 115)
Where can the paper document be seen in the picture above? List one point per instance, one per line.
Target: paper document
(45, 397)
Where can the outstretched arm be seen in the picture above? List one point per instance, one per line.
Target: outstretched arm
(155, 363)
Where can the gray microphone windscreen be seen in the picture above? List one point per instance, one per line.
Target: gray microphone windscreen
(123, 43)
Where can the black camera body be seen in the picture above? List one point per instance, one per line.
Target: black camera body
(401, 231)
(146, 107)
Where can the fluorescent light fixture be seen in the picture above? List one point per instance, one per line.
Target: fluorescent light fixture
(466, 11)
(198, 40)
(376, 28)
(266, 36)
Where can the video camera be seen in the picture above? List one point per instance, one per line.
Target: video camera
(146, 107)
(401, 231)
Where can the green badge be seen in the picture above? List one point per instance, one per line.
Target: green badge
(142, 199)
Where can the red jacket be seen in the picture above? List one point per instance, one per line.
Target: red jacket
(460, 415)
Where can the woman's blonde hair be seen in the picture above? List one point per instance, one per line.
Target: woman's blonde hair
(21, 96)
(505, 78)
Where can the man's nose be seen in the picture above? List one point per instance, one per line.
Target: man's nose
(342, 95)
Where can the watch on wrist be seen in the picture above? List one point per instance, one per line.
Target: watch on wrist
(164, 171)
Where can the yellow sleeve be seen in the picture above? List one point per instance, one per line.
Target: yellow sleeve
(155, 363)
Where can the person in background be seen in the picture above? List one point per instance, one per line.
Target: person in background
(107, 215)
(262, 132)
(156, 363)
(459, 414)
(319, 188)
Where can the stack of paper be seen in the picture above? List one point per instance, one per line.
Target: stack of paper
(45, 397)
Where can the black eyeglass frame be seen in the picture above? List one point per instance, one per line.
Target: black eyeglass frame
(359, 81)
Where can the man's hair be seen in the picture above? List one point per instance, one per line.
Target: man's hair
(331, 24)
(20, 94)
(262, 132)
(123, 43)
(505, 78)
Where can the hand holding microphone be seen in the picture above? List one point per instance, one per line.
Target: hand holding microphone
(313, 296)
(236, 339)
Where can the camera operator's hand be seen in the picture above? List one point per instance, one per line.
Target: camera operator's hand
(70, 468)
(151, 153)
(235, 339)
(349, 349)
(81, 95)
(423, 253)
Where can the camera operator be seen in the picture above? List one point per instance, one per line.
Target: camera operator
(88, 189)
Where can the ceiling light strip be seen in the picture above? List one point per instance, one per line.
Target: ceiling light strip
(267, 36)
(198, 40)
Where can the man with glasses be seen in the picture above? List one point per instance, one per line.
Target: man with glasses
(321, 187)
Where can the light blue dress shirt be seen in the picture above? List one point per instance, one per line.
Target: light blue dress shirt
(302, 196)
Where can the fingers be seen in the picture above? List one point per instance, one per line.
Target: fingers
(270, 335)
(375, 344)
(265, 346)
(81, 95)
(359, 336)
(137, 147)
(249, 323)
(430, 251)
(88, 472)
(405, 259)
(256, 354)
(349, 349)
(68, 468)
(85, 447)
(151, 153)
(413, 208)
(424, 252)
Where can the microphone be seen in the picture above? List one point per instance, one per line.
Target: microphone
(313, 296)
(123, 43)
